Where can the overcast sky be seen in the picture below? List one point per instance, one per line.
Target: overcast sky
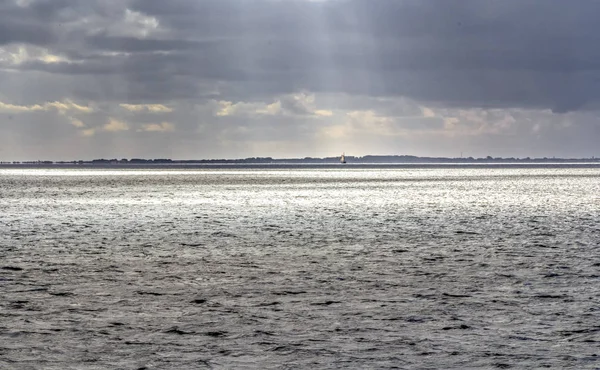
(191, 79)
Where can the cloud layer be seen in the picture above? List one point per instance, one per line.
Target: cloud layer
(229, 78)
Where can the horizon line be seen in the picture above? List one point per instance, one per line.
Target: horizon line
(396, 158)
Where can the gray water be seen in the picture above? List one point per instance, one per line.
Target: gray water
(300, 268)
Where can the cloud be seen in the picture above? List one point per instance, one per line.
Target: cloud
(300, 104)
(427, 112)
(227, 108)
(323, 113)
(114, 125)
(68, 106)
(76, 122)
(152, 108)
(15, 55)
(463, 57)
(158, 127)
(88, 132)
(61, 107)
(537, 54)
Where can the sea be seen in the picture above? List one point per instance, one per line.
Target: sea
(275, 267)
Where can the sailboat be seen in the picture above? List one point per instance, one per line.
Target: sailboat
(343, 158)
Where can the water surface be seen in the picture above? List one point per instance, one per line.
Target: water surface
(415, 268)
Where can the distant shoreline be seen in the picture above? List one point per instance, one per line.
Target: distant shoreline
(364, 160)
(296, 165)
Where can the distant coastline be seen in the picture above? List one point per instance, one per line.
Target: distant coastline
(377, 160)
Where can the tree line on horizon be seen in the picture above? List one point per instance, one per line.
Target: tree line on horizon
(314, 160)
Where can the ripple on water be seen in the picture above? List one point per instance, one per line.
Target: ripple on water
(392, 268)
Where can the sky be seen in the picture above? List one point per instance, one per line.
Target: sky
(194, 79)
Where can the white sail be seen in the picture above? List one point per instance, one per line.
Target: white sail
(343, 158)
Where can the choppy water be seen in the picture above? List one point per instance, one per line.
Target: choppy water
(314, 268)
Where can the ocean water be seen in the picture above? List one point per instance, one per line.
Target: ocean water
(409, 268)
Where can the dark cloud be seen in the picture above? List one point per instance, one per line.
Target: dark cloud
(35, 22)
(532, 53)
(15, 32)
(136, 45)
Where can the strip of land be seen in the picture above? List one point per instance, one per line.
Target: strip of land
(351, 160)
